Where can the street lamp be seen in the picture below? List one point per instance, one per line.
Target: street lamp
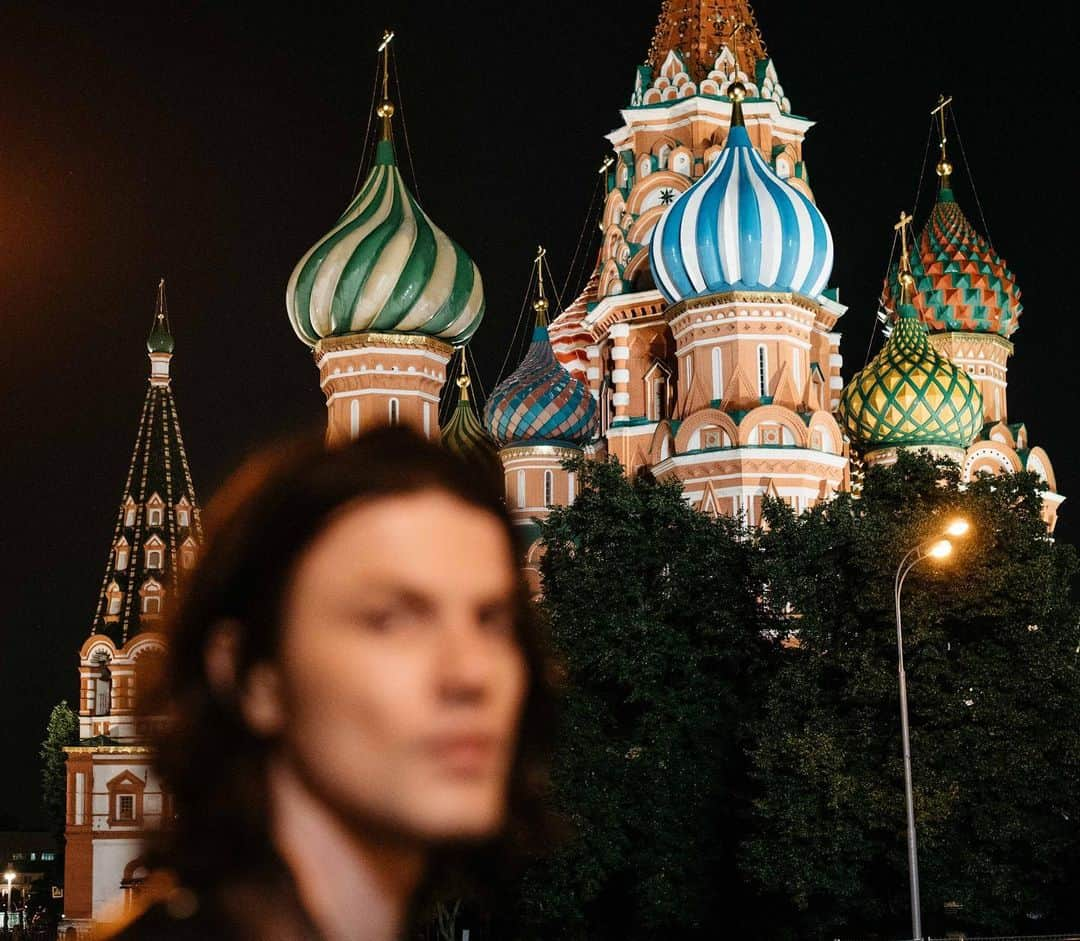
(938, 547)
(10, 877)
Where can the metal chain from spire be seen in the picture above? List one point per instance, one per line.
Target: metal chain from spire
(971, 177)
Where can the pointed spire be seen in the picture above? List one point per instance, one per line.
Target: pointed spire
(385, 152)
(160, 339)
(944, 168)
(907, 279)
(541, 304)
(696, 29)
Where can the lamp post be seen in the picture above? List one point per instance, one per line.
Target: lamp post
(937, 548)
(9, 876)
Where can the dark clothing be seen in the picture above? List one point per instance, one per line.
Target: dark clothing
(250, 911)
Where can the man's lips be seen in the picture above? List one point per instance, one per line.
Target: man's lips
(466, 753)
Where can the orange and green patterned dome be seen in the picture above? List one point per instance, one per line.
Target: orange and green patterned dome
(910, 395)
(961, 283)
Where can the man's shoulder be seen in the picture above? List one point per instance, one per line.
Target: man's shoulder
(176, 915)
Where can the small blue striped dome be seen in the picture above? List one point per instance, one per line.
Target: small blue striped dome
(741, 228)
(541, 402)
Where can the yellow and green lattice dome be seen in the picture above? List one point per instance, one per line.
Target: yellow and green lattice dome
(910, 395)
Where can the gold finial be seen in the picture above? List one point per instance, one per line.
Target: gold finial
(541, 304)
(944, 168)
(386, 107)
(907, 279)
(736, 91)
(463, 381)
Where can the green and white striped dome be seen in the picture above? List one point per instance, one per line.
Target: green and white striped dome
(385, 267)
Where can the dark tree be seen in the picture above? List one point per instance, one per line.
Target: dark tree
(991, 650)
(62, 730)
(653, 608)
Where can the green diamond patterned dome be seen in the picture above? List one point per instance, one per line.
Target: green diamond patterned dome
(910, 395)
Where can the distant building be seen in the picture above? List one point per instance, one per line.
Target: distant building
(114, 796)
(32, 856)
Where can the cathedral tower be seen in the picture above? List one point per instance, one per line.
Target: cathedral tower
(382, 300)
(970, 301)
(541, 416)
(114, 798)
(708, 335)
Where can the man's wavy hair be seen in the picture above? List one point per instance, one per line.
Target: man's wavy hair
(257, 528)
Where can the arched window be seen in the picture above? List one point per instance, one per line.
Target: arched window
(549, 488)
(151, 604)
(427, 419)
(796, 370)
(689, 369)
(187, 553)
(103, 689)
(123, 552)
(114, 599)
(763, 371)
(783, 167)
(521, 489)
(394, 411)
(717, 374)
(571, 493)
(129, 512)
(354, 418)
(682, 164)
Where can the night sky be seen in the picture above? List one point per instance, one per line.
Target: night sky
(214, 145)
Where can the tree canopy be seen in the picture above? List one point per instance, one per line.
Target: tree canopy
(730, 756)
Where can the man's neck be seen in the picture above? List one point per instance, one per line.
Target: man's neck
(353, 889)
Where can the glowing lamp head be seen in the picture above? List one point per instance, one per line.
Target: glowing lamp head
(10, 877)
(958, 527)
(941, 549)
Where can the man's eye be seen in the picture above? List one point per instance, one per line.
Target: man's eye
(497, 620)
(380, 620)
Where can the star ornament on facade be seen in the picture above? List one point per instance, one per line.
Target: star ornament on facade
(667, 196)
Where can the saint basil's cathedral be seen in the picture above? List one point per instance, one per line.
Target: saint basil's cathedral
(704, 348)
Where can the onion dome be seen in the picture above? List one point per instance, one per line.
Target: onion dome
(961, 283)
(385, 266)
(463, 434)
(741, 228)
(540, 402)
(161, 338)
(910, 395)
(570, 338)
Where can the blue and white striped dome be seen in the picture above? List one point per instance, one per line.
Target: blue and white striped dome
(741, 228)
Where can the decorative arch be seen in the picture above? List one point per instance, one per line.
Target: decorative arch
(614, 209)
(832, 438)
(658, 180)
(662, 445)
(95, 644)
(778, 414)
(681, 162)
(706, 418)
(1038, 462)
(990, 457)
(639, 265)
(610, 279)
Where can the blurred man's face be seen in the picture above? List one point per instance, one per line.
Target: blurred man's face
(401, 679)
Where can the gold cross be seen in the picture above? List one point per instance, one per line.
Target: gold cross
(902, 228)
(943, 103)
